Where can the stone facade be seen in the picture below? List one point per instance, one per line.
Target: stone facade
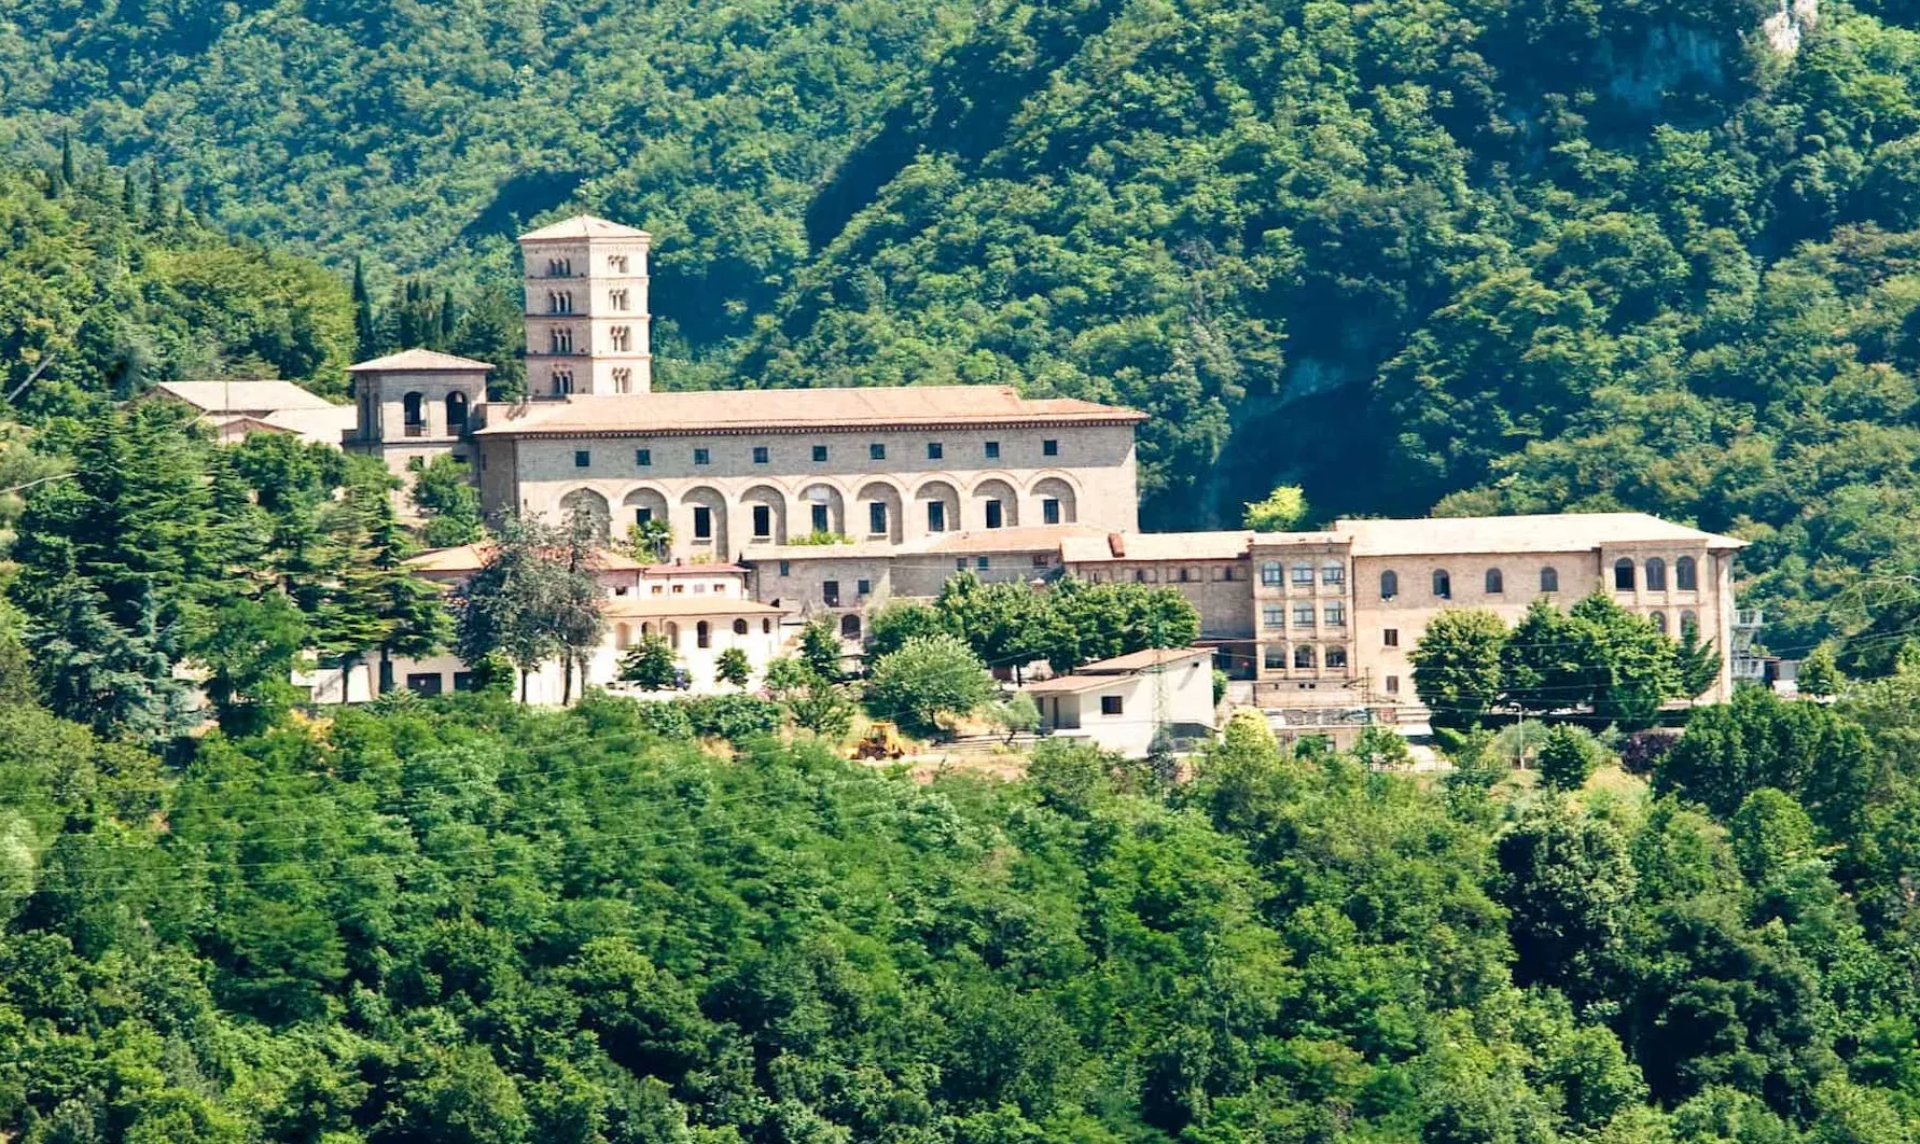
(588, 329)
(413, 406)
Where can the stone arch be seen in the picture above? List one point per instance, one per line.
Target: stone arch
(622, 635)
(672, 632)
(703, 521)
(653, 501)
(944, 494)
(1064, 495)
(774, 502)
(594, 505)
(413, 413)
(988, 493)
(887, 495)
(822, 504)
(456, 413)
(850, 626)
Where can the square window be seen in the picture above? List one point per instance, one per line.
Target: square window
(935, 450)
(1303, 615)
(863, 587)
(983, 563)
(1050, 448)
(582, 458)
(702, 457)
(1273, 616)
(642, 457)
(759, 454)
(960, 565)
(876, 452)
(819, 453)
(1390, 637)
(642, 515)
(1110, 705)
(993, 450)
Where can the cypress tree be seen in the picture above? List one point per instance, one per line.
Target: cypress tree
(364, 330)
(156, 195)
(129, 196)
(68, 174)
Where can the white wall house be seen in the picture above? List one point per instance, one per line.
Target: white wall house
(1120, 704)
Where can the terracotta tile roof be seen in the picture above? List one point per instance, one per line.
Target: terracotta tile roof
(419, 361)
(1112, 546)
(582, 226)
(768, 411)
(243, 396)
(1553, 532)
(668, 607)
(1028, 538)
(473, 557)
(1068, 684)
(692, 570)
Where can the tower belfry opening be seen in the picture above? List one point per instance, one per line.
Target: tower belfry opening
(586, 309)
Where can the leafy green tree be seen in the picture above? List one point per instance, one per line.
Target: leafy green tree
(444, 493)
(109, 678)
(1696, 664)
(1457, 666)
(1283, 510)
(650, 663)
(820, 648)
(1819, 674)
(1540, 664)
(651, 542)
(893, 624)
(1568, 883)
(732, 667)
(576, 609)
(249, 649)
(929, 681)
(1567, 758)
(374, 603)
(509, 604)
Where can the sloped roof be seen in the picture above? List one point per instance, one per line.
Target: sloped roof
(424, 361)
(473, 557)
(668, 607)
(1546, 532)
(1109, 546)
(243, 396)
(770, 411)
(582, 226)
(1027, 538)
(1105, 672)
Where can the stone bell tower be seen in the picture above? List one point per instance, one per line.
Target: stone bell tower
(586, 285)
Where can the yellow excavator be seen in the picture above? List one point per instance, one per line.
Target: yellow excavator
(882, 742)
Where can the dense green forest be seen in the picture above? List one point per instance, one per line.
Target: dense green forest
(464, 921)
(1478, 255)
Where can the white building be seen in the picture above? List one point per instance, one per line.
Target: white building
(1122, 704)
(236, 409)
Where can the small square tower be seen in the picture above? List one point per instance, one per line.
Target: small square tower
(586, 285)
(414, 405)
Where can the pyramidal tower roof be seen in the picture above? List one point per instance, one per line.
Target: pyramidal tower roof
(418, 361)
(582, 226)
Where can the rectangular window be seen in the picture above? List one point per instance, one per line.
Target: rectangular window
(702, 457)
(819, 453)
(821, 522)
(642, 515)
(762, 521)
(1050, 510)
(1390, 637)
(960, 565)
(877, 517)
(993, 450)
(982, 563)
(786, 568)
(1336, 614)
(1273, 616)
(1333, 574)
(465, 681)
(994, 515)
(1393, 685)
(1050, 448)
(830, 592)
(582, 458)
(424, 683)
(702, 522)
(1303, 615)
(876, 452)
(1110, 705)
(1336, 657)
(642, 458)
(863, 587)
(1270, 573)
(1275, 657)
(1303, 575)
(935, 450)
(936, 516)
(760, 454)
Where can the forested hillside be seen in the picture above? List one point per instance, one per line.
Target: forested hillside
(1474, 254)
(467, 923)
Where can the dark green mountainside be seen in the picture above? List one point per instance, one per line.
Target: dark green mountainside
(1475, 255)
